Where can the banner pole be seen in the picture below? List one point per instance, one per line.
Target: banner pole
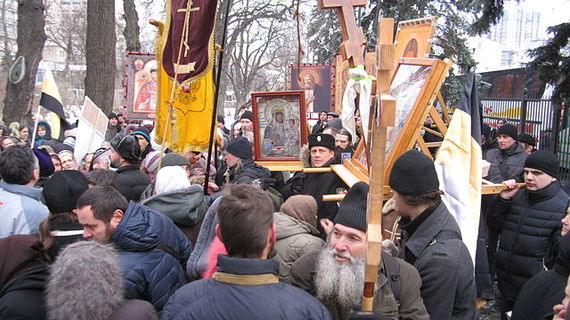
(216, 96)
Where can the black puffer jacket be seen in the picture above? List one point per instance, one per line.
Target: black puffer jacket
(546, 289)
(506, 164)
(131, 182)
(530, 233)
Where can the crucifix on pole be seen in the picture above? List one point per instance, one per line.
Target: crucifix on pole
(352, 48)
(382, 116)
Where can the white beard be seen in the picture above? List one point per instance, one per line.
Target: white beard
(337, 281)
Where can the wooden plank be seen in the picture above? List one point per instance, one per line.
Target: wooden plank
(281, 165)
(345, 174)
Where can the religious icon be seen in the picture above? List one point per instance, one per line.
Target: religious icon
(279, 125)
(141, 85)
(316, 82)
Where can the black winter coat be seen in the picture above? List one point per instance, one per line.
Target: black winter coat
(530, 234)
(436, 250)
(22, 297)
(506, 164)
(131, 182)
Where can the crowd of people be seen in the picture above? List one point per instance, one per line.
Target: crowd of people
(172, 236)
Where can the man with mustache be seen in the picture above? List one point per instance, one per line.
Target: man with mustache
(339, 268)
(529, 219)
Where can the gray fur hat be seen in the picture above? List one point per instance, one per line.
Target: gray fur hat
(85, 283)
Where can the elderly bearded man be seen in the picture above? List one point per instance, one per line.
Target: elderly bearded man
(339, 268)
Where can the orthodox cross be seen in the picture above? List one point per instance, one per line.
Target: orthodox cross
(186, 68)
(352, 48)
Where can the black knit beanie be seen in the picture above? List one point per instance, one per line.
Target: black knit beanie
(322, 140)
(526, 138)
(352, 210)
(247, 115)
(413, 174)
(241, 148)
(509, 130)
(63, 189)
(544, 161)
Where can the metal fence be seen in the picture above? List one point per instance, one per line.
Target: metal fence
(541, 118)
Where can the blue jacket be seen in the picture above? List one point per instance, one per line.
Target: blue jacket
(150, 273)
(21, 211)
(222, 298)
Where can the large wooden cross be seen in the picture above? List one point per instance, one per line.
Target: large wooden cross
(352, 48)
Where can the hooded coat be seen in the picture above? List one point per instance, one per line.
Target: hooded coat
(186, 207)
(151, 273)
(294, 239)
(40, 141)
(23, 276)
(546, 289)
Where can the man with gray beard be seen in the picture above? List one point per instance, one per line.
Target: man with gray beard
(339, 268)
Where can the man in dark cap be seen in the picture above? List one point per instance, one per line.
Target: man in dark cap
(221, 124)
(143, 137)
(113, 127)
(507, 161)
(527, 142)
(60, 194)
(321, 154)
(246, 121)
(125, 155)
(529, 219)
(339, 268)
(238, 166)
(431, 239)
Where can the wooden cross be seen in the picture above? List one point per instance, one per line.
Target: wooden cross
(352, 48)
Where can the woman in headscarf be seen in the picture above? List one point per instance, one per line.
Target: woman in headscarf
(43, 133)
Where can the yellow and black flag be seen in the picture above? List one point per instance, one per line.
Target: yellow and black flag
(51, 100)
(185, 56)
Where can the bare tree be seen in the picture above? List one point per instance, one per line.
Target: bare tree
(66, 28)
(8, 31)
(31, 39)
(132, 30)
(100, 53)
(254, 28)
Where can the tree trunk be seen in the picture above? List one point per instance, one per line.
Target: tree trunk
(100, 53)
(31, 39)
(132, 30)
